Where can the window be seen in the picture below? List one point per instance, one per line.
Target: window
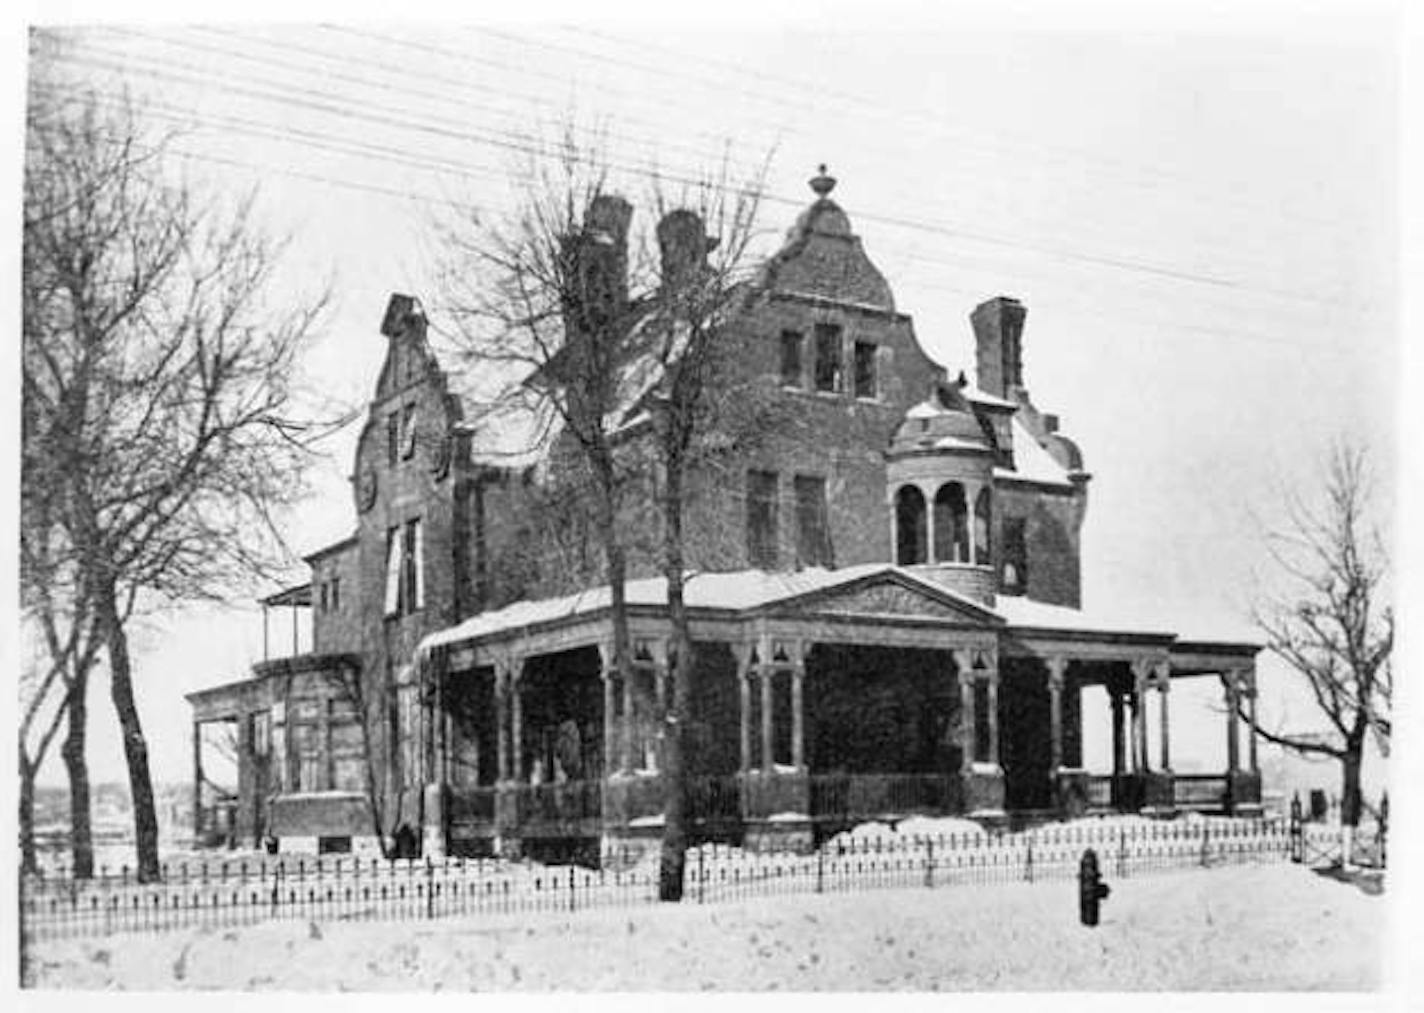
(982, 526)
(1015, 554)
(828, 357)
(909, 526)
(981, 722)
(865, 379)
(393, 438)
(791, 358)
(393, 572)
(405, 569)
(325, 601)
(813, 535)
(951, 524)
(408, 432)
(304, 747)
(761, 519)
(345, 746)
(335, 593)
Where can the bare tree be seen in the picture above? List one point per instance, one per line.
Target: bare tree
(543, 296)
(162, 378)
(1331, 621)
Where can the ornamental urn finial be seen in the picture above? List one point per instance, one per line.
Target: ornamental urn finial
(822, 184)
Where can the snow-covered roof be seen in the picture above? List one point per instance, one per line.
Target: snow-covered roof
(1026, 612)
(736, 591)
(978, 396)
(1031, 462)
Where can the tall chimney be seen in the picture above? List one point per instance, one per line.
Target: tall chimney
(601, 295)
(683, 244)
(998, 332)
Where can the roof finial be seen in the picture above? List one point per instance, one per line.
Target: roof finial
(822, 184)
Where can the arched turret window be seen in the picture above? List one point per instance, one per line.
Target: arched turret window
(983, 524)
(951, 525)
(910, 526)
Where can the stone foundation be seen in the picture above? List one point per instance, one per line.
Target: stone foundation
(984, 790)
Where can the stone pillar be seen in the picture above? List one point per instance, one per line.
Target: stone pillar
(1141, 675)
(767, 673)
(930, 555)
(894, 527)
(744, 689)
(1252, 759)
(971, 496)
(798, 745)
(1057, 670)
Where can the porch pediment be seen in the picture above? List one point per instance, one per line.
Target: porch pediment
(888, 593)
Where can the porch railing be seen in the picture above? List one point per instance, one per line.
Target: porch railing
(859, 796)
(1201, 791)
(472, 805)
(1100, 791)
(715, 800)
(564, 804)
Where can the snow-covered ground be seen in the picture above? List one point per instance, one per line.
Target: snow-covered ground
(1257, 927)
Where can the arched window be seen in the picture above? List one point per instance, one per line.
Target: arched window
(983, 524)
(909, 526)
(951, 524)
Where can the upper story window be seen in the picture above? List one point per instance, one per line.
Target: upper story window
(407, 440)
(325, 596)
(335, 593)
(791, 358)
(1015, 556)
(813, 531)
(829, 368)
(393, 438)
(761, 519)
(405, 569)
(910, 526)
(866, 381)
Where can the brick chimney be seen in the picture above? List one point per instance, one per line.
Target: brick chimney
(998, 332)
(683, 245)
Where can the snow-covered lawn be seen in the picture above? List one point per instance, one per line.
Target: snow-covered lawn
(1256, 927)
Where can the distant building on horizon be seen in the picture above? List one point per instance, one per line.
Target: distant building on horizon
(885, 601)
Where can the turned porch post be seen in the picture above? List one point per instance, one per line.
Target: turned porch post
(516, 719)
(1117, 715)
(626, 763)
(1057, 671)
(1249, 683)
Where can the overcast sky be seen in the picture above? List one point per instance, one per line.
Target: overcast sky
(1200, 217)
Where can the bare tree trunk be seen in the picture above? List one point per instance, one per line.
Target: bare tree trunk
(29, 861)
(135, 746)
(675, 772)
(81, 831)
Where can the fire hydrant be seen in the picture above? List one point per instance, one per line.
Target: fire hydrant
(1092, 891)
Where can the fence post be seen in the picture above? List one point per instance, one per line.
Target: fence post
(929, 863)
(701, 877)
(572, 889)
(429, 888)
(1297, 844)
(1121, 851)
(1028, 861)
(1206, 844)
(1383, 826)
(820, 868)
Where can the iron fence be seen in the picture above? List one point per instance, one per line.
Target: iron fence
(216, 893)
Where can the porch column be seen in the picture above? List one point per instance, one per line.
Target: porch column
(964, 673)
(1252, 759)
(501, 722)
(744, 691)
(798, 676)
(1164, 684)
(1057, 670)
(767, 673)
(1233, 745)
(197, 781)
(516, 718)
(626, 763)
(610, 739)
(993, 681)
(1117, 709)
(1141, 683)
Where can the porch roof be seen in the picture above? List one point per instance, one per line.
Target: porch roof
(741, 591)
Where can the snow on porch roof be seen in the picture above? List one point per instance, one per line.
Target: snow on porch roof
(738, 591)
